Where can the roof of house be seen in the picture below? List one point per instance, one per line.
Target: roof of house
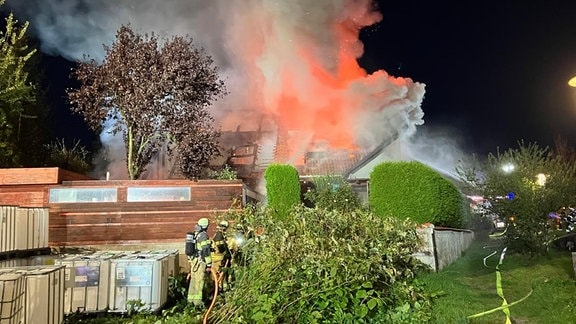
(369, 157)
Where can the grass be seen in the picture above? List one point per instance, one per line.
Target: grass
(468, 287)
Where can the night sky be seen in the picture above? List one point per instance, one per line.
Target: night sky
(496, 72)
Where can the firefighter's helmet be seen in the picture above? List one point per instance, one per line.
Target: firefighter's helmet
(203, 222)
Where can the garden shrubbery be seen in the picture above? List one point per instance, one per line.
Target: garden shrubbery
(414, 190)
(326, 266)
(333, 192)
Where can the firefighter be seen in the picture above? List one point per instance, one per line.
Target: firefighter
(200, 264)
(221, 256)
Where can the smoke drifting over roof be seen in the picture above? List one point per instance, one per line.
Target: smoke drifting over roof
(293, 60)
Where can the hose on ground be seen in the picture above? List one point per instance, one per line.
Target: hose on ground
(216, 278)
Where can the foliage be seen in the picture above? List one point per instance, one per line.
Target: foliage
(414, 190)
(135, 306)
(467, 287)
(196, 149)
(153, 94)
(282, 188)
(75, 158)
(563, 149)
(326, 266)
(531, 231)
(332, 192)
(16, 90)
(226, 173)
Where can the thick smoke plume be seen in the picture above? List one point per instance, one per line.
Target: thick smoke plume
(293, 61)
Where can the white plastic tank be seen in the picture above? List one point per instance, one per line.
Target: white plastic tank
(44, 293)
(7, 228)
(31, 225)
(173, 259)
(11, 263)
(42, 217)
(87, 282)
(12, 289)
(139, 278)
(24, 229)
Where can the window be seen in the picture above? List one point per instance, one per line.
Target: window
(158, 194)
(82, 195)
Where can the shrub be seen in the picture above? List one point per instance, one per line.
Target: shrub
(75, 158)
(414, 190)
(282, 188)
(327, 266)
(225, 173)
(332, 192)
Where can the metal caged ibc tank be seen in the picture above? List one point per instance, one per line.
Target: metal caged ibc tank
(173, 260)
(44, 293)
(87, 282)
(139, 277)
(12, 289)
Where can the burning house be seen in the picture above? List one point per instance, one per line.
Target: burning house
(296, 92)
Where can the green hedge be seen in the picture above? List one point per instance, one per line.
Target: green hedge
(282, 188)
(414, 190)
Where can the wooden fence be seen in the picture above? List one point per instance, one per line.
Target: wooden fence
(85, 211)
(127, 219)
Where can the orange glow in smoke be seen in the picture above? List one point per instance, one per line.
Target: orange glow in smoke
(323, 109)
(300, 73)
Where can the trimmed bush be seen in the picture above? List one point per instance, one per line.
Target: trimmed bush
(414, 190)
(282, 188)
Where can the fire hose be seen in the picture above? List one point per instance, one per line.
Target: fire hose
(216, 278)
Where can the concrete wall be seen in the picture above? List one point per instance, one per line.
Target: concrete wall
(450, 244)
(426, 252)
(442, 246)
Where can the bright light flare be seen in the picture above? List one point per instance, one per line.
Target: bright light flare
(541, 179)
(508, 168)
(572, 82)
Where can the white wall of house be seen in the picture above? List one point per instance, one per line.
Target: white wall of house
(392, 152)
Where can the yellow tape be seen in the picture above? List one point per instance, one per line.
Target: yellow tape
(501, 307)
(500, 292)
(505, 307)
